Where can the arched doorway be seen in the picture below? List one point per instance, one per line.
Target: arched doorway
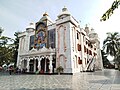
(31, 64)
(24, 64)
(45, 65)
(42, 65)
(54, 63)
(36, 60)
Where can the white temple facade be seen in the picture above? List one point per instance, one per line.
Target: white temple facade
(46, 45)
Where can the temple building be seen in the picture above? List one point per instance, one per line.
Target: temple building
(46, 45)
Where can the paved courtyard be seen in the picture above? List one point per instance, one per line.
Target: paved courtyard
(99, 80)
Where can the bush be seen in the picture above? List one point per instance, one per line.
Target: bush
(59, 69)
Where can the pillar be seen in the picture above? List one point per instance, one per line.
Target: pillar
(39, 64)
(20, 63)
(28, 67)
(34, 64)
(45, 64)
(50, 65)
(82, 52)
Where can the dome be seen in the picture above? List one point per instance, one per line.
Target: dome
(93, 36)
(30, 26)
(64, 12)
(87, 29)
(46, 17)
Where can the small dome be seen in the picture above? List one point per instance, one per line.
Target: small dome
(93, 36)
(46, 17)
(87, 29)
(64, 12)
(31, 26)
(45, 14)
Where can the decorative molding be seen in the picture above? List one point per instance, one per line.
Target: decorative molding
(65, 59)
(65, 39)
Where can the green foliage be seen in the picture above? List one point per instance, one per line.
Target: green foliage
(111, 43)
(8, 49)
(117, 57)
(104, 58)
(59, 69)
(111, 46)
(1, 30)
(110, 11)
(16, 46)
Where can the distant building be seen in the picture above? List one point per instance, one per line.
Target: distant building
(45, 45)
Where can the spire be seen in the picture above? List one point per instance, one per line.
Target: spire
(64, 12)
(64, 9)
(46, 17)
(87, 29)
(45, 14)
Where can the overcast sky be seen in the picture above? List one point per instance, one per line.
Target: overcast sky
(15, 15)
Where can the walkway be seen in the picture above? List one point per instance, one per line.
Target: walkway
(99, 80)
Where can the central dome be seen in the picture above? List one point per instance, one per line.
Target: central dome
(64, 12)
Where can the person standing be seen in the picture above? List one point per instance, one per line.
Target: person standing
(10, 70)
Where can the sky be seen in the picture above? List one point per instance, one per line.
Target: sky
(15, 15)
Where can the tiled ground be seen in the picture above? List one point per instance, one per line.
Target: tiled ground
(99, 80)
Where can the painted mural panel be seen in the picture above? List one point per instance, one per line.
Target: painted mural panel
(40, 35)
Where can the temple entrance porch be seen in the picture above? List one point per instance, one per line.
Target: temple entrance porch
(40, 64)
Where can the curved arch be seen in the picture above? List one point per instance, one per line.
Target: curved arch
(61, 38)
(62, 60)
(22, 43)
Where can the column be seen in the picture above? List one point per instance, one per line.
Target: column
(20, 63)
(28, 67)
(50, 65)
(45, 64)
(82, 52)
(39, 62)
(34, 64)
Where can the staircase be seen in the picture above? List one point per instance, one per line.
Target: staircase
(90, 66)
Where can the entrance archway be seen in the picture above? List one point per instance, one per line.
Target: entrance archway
(36, 64)
(54, 63)
(45, 65)
(24, 64)
(31, 64)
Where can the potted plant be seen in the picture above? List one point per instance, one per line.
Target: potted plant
(59, 69)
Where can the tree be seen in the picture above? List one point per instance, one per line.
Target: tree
(8, 49)
(1, 30)
(16, 46)
(6, 54)
(117, 58)
(110, 11)
(106, 62)
(59, 69)
(111, 43)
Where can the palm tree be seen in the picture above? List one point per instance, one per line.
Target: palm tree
(117, 58)
(111, 43)
(106, 62)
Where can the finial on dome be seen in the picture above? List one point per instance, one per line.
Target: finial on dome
(45, 14)
(92, 29)
(64, 9)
